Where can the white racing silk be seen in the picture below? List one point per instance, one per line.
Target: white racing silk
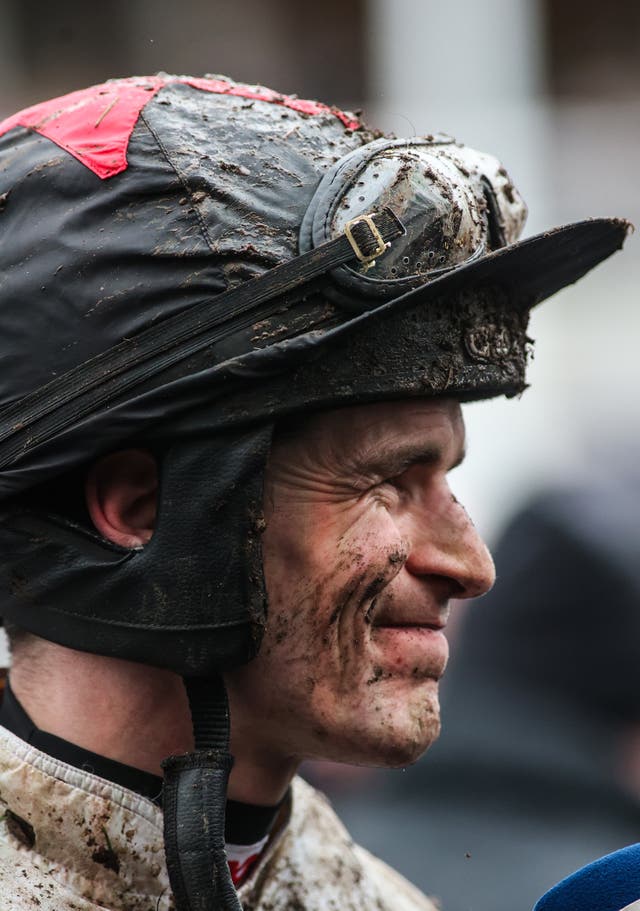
(70, 841)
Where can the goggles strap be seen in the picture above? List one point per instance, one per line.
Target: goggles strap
(60, 404)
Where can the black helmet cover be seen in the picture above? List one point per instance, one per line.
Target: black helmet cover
(137, 209)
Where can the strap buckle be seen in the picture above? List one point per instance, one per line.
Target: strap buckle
(367, 259)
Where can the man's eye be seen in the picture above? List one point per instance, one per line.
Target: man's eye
(384, 486)
(390, 485)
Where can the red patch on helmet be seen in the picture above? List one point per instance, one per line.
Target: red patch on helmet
(95, 124)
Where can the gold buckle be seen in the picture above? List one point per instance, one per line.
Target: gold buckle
(367, 261)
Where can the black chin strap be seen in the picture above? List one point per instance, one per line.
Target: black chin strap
(194, 798)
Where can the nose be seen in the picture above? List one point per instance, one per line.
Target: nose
(443, 542)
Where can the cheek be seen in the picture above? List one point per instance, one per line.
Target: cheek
(304, 547)
(321, 589)
(316, 680)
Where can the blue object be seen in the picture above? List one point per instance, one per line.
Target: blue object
(608, 884)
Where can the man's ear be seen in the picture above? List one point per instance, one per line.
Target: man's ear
(121, 492)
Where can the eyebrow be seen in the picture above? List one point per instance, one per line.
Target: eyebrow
(402, 457)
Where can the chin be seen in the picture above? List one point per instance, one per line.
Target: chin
(386, 734)
(389, 749)
(403, 748)
(408, 721)
(400, 755)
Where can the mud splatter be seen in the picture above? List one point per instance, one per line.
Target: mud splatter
(21, 830)
(107, 858)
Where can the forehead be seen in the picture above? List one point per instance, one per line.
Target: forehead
(363, 429)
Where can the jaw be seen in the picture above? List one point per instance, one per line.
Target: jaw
(388, 720)
(375, 717)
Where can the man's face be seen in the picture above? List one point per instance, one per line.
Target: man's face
(364, 546)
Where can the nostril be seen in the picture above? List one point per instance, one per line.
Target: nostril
(458, 590)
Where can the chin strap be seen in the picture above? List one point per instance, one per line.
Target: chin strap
(194, 798)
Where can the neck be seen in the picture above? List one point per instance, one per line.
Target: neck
(125, 711)
(259, 776)
(134, 714)
(262, 769)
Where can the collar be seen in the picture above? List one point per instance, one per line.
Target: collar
(14, 717)
(101, 841)
(245, 824)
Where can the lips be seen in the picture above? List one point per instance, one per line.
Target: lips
(408, 638)
(409, 625)
(392, 616)
(417, 651)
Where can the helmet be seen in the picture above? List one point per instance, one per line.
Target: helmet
(184, 262)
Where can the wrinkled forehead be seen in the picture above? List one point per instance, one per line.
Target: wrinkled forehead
(423, 429)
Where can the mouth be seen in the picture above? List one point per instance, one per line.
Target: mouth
(426, 617)
(436, 626)
(416, 650)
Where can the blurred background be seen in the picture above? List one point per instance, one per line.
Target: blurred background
(553, 89)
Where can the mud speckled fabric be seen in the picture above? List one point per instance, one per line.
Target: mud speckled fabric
(70, 841)
(315, 866)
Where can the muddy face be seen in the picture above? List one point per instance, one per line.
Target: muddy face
(364, 547)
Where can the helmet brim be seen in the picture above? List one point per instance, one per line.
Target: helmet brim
(530, 270)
